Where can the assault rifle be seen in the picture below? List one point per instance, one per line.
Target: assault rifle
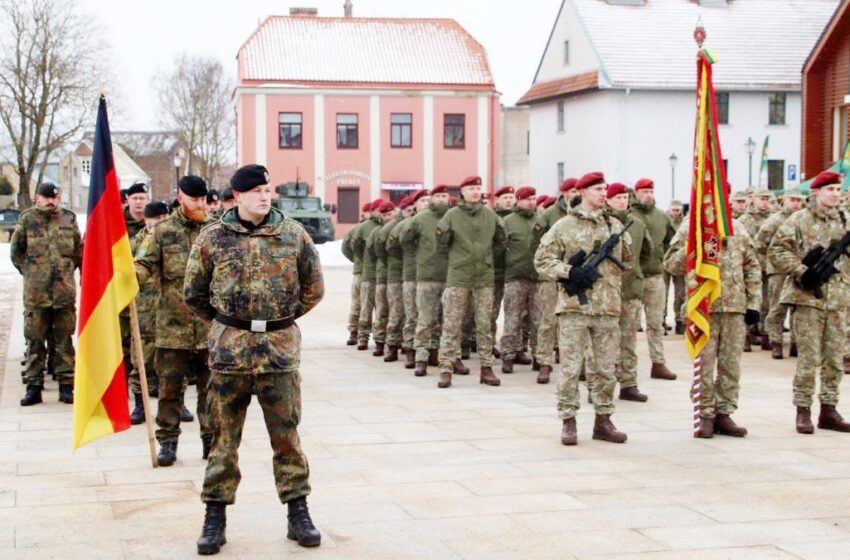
(822, 262)
(603, 253)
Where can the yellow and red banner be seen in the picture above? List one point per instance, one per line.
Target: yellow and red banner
(710, 219)
(107, 285)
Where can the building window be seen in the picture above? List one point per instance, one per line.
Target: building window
(566, 53)
(348, 199)
(346, 131)
(85, 164)
(290, 131)
(776, 174)
(723, 107)
(777, 108)
(401, 130)
(560, 116)
(560, 172)
(454, 131)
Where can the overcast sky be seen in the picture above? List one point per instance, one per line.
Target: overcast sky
(146, 36)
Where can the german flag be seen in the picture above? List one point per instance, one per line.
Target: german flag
(107, 285)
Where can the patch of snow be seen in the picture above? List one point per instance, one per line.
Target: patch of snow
(6, 260)
(331, 254)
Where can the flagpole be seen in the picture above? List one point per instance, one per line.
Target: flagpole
(143, 380)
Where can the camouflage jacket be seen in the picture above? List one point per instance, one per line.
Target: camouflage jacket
(795, 237)
(640, 246)
(740, 272)
(499, 257)
(519, 246)
(753, 221)
(583, 230)
(146, 301)
(395, 262)
(661, 232)
(548, 218)
(420, 237)
(164, 254)
(397, 249)
(472, 233)
(376, 244)
(348, 249)
(272, 272)
(359, 242)
(46, 248)
(765, 236)
(133, 226)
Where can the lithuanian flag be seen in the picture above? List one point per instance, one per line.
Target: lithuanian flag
(107, 285)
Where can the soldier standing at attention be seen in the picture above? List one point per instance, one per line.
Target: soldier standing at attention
(134, 213)
(227, 201)
(775, 322)
(503, 206)
(660, 232)
(595, 324)
(391, 217)
(367, 282)
(395, 279)
(753, 220)
(735, 309)
(676, 217)
(356, 273)
(46, 249)
(213, 204)
(253, 273)
(181, 338)
(739, 204)
(431, 269)
(819, 322)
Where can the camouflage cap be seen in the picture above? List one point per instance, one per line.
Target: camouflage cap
(675, 204)
(763, 193)
(794, 192)
(739, 195)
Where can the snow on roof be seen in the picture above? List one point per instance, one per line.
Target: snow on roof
(363, 50)
(126, 168)
(143, 143)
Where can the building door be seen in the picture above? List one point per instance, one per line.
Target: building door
(348, 199)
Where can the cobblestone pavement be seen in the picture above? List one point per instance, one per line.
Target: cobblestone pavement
(401, 469)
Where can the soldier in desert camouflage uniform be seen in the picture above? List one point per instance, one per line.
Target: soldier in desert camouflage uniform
(757, 215)
(676, 217)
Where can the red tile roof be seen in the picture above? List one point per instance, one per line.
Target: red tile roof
(556, 88)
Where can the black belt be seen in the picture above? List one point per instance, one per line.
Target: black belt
(255, 325)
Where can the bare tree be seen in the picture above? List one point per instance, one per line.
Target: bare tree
(52, 63)
(194, 99)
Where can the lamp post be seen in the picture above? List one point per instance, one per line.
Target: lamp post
(177, 161)
(751, 148)
(673, 161)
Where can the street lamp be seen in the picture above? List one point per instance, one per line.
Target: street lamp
(751, 148)
(178, 161)
(673, 161)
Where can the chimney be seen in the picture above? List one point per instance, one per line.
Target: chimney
(303, 12)
(348, 7)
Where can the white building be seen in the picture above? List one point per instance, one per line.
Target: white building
(615, 89)
(514, 170)
(75, 173)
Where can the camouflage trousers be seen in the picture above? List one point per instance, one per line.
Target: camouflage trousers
(719, 390)
(626, 370)
(821, 344)
(279, 395)
(520, 304)
(430, 313)
(367, 306)
(45, 326)
(382, 313)
(498, 295)
(395, 322)
(577, 333)
(410, 314)
(774, 323)
(148, 353)
(173, 367)
(679, 295)
(354, 311)
(654, 299)
(547, 330)
(765, 303)
(455, 303)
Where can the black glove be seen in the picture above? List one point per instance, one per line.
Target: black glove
(810, 280)
(751, 317)
(583, 276)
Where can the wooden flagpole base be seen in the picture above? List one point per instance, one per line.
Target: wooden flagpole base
(143, 380)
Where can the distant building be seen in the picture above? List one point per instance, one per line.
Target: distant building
(75, 173)
(826, 95)
(514, 168)
(362, 108)
(615, 89)
(154, 153)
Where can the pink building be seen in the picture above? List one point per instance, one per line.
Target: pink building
(362, 108)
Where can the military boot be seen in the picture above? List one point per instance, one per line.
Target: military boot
(464, 353)
(792, 350)
(830, 419)
(604, 429)
(138, 414)
(568, 432)
(433, 357)
(301, 527)
(421, 369)
(747, 346)
(508, 365)
(66, 393)
(543, 374)
(846, 365)
(379, 349)
(445, 380)
(206, 445)
(458, 368)
(804, 420)
(765, 343)
(185, 414)
(212, 535)
(363, 344)
(522, 359)
(167, 454)
(352, 338)
(680, 327)
(776, 350)
(392, 354)
(535, 365)
(724, 425)
(632, 394)
(409, 359)
(496, 353)
(706, 428)
(488, 377)
(660, 371)
(32, 396)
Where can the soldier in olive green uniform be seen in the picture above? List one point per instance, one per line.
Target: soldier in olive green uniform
(503, 206)
(46, 249)
(753, 220)
(395, 277)
(356, 275)
(181, 338)
(253, 273)
(819, 322)
(367, 278)
(136, 198)
(471, 233)
(676, 217)
(376, 245)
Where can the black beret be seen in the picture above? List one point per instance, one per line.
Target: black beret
(155, 209)
(48, 189)
(249, 176)
(123, 193)
(137, 188)
(193, 185)
(212, 196)
(227, 193)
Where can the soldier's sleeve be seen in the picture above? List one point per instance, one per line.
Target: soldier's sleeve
(379, 244)
(549, 258)
(309, 276)
(18, 246)
(444, 230)
(410, 235)
(148, 260)
(764, 236)
(669, 233)
(358, 241)
(78, 246)
(674, 258)
(628, 257)
(752, 273)
(782, 250)
(394, 241)
(196, 284)
(646, 248)
(500, 238)
(347, 249)
(538, 229)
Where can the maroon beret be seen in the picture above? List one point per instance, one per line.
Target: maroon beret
(406, 201)
(376, 205)
(453, 201)
(550, 200)
(471, 180)
(644, 184)
(419, 194)
(439, 189)
(616, 188)
(540, 200)
(503, 190)
(386, 206)
(525, 192)
(568, 184)
(825, 178)
(366, 207)
(589, 180)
